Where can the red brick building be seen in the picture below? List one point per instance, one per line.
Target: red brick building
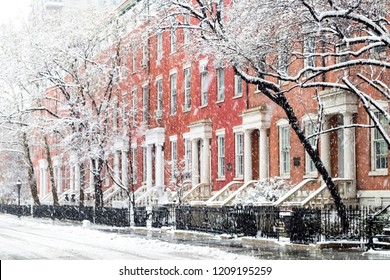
(191, 117)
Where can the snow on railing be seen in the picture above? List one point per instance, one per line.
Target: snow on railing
(225, 192)
(148, 198)
(47, 198)
(295, 192)
(176, 196)
(344, 187)
(200, 192)
(242, 191)
(302, 194)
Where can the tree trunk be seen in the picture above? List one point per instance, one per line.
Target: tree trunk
(51, 171)
(98, 182)
(31, 176)
(314, 155)
(82, 184)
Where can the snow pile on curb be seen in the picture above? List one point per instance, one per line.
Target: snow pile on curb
(265, 191)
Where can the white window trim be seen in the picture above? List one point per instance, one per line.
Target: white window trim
(187, 156)
(186, 106)
(373, 171)
(236, 164)
(237, 79)
(305, 120)
(203, 63)
(283, 123)
(219, 99)
(221, 169)
(171, 73)
(172, 141)
(308, 51)
(159, 102)
(159, 47)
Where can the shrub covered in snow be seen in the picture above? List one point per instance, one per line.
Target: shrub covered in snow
(264, 192)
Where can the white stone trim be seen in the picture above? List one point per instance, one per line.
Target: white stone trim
(220, 132)
(282, 122)
(173, 138)
(201, 130)
(237, 129)
(172, 71)
(187, 65)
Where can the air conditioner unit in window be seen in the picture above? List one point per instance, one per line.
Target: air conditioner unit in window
(158, 114)
(144, 62)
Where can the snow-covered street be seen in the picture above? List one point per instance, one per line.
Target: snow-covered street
(31, 239)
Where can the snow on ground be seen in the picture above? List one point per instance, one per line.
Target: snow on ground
(29, 238)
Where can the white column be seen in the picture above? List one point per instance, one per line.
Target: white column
(159, 168)
(349, 147)
(125, 178)
(325, 146)
(194, 162)
(45, 185)
(149, 170)
(247, 156)
(205, 168)
(263, 153)
(41, 189)
(116, 168)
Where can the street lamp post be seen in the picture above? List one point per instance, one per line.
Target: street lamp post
(18, 186)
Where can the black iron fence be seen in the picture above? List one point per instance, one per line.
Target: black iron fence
(308, 225)
(301, 225)
(246, 221)
(22, 210)
(105, 215)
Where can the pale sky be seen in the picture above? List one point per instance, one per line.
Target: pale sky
(13, 9)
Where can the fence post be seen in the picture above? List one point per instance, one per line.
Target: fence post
(149, 213)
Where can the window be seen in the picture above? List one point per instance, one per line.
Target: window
(310, 48)
(145, 103)
(144, 163)
(379, 148)
(237, 85)
(220, 84)
(221, 156)
(239, 149)
(134, 60)
(187, 158)
(187, 89)
(173, 94)
(134, 105)
(340, 49)
(144, 61)
(159, 45)
(173, 40)
(159, 95)
(173, 160)
(187, 31)
(310, 129)
(203, 85)
(284, 150)
(283, 56)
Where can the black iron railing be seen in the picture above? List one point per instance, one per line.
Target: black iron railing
(246, 221)
(301, 225)
(377, 223)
